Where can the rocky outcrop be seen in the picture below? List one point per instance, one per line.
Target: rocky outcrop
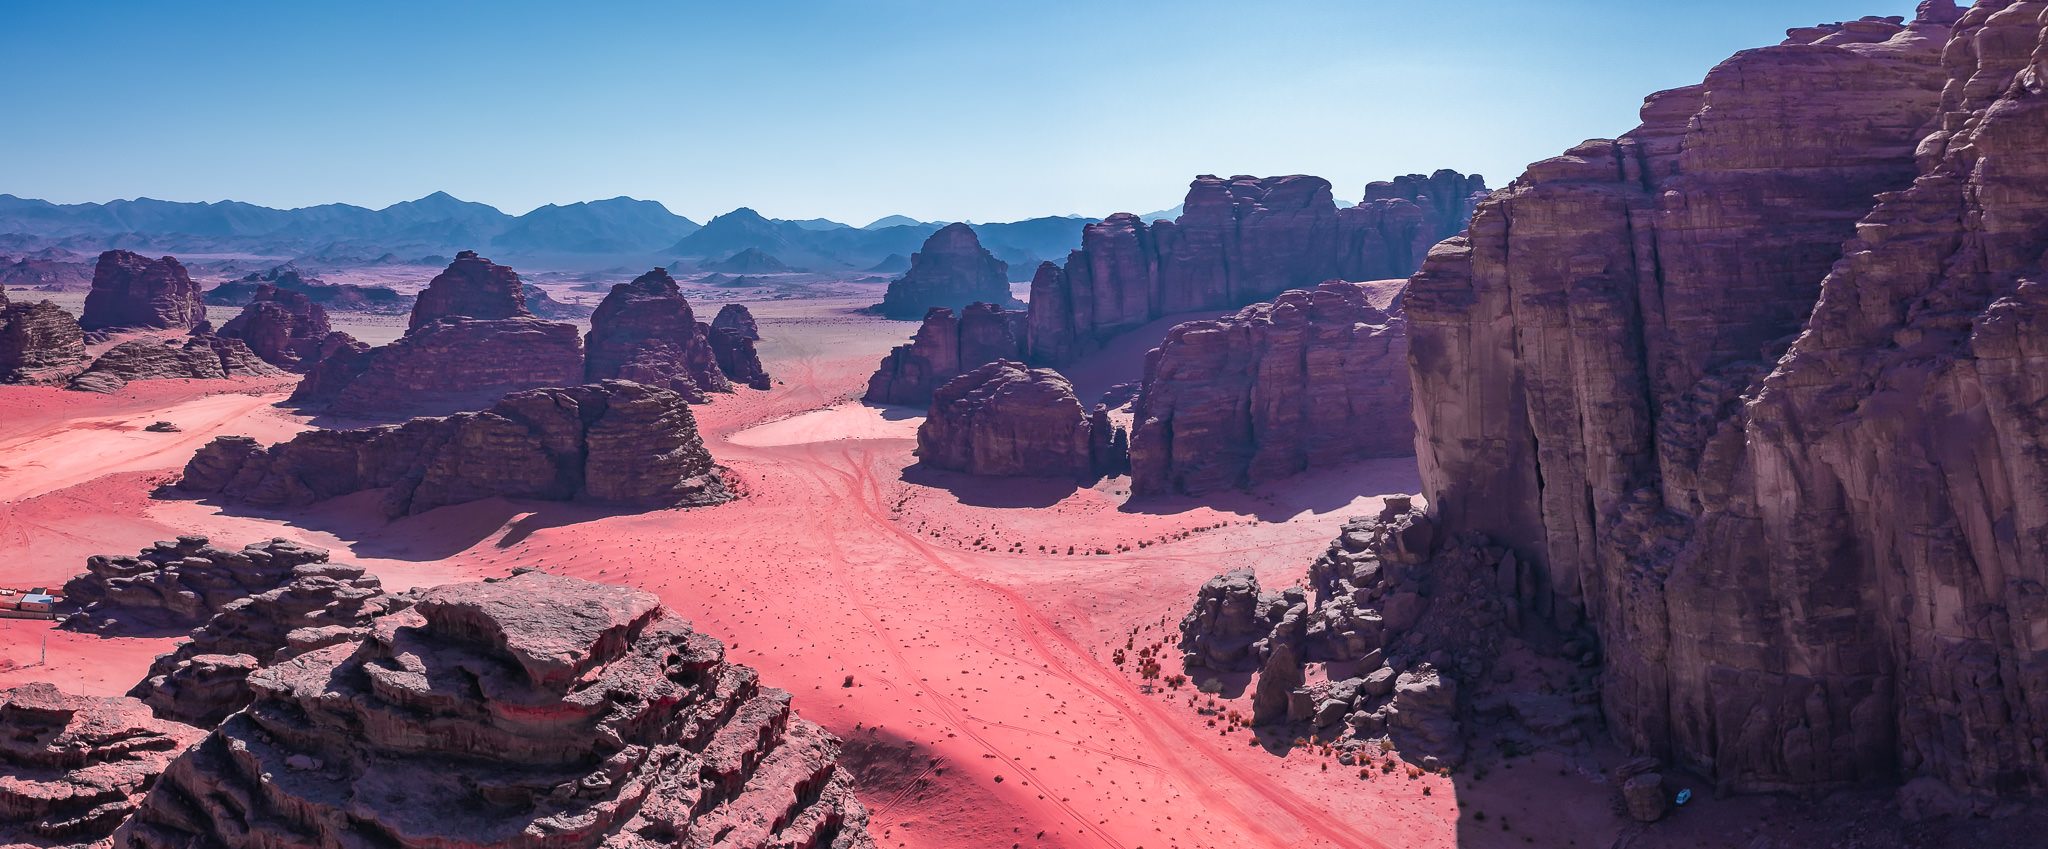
(1237, 242)
(1313, 379)
(340, 360)
(736, 357)
(36, 336)
(951, 270)
(177, 586)
(453, 364)
(202, 356)
(544, 305)
(285, 328)
(129, 290)
(737, 318)
(614, 442)
(945, 346)
(207, 677)
(1006, 419)
(645, 331)
(535, 711)
(73, 767)
(470, 287)
(347, 297)
(1778, 459)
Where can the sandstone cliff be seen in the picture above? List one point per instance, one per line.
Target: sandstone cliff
(282, 326)
(129, 290)
(946, 345)
(645, 331)
(36, 336)
(73, 767)
(1005, 419)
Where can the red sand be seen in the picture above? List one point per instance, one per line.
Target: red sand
(936, 622)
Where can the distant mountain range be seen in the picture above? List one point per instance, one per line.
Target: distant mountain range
(618, 231)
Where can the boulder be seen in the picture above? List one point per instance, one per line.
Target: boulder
(1006, 420)
(535, 711)
(176, 586)
(130, 290)
(951, 270)
(73, 767)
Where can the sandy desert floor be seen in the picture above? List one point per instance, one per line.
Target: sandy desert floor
(957, 633)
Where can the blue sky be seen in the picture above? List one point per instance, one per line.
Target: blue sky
(849, 110)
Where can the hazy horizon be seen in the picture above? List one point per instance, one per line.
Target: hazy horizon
(826, 110)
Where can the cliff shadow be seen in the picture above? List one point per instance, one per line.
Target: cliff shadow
(977, 491)
(1334, 489)
(438, 534)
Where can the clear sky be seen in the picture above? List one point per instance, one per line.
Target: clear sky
(965, 109)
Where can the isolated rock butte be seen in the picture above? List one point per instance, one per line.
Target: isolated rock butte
(945, 346)
(73, 767)
(207, 677)
(1808, 566)
(454, 364)
(1006, 419)
(536, 711)
(1237, 242)
(130, 290)
(738, 318)
(282, 326)
(951, 270)
(177, 586)
(36, 336)
(470, 287)
(613, 442)
(1314, 379)
(645, 331)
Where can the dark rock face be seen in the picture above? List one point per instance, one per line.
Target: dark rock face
(946, 345)
(1313, 379)
(471, 287)
(75, 766)
(207, 677)
(738, 318)
(1005, 419)
(177, 586)
(736, 356)
(283, 327)
(613, 442)
(455, 364)
(201, 356)
(35, 336)
(129, 290)
(1779, 464)
(951, 270)
(536, 711)
(1237, 241)
(333, 296)
(340, 360)
(645, 331)
(544, 305)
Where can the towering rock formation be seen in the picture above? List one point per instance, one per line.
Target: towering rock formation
(1005, 419)
(73, 767)
(533, 711)
(282, 326)
(207, 677)
(1237, 241)
(946, 345)
(951, 270)
(1313, 379)
(739, 319)
(469, 342)
(1781, 461)
(177, 586)
(736, 357)
(613, 442)
(129, 290)
(645, 331)
(202, 356)
(36, 336)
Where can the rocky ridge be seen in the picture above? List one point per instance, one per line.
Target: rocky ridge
(73, 767)
(176, 586)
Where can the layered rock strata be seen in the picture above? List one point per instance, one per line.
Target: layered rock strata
(535, 711)
(614, 442)
(207, 677)
(73, 767)
(1006, 419)
(470, 287)
(951, 270)
(201, 356)
(645, 331)
(946, 344)
(36, 336)
(736, 357)
(177, 586)
(282, 326)
(738, 318)
(130, 290)
(1313, 379)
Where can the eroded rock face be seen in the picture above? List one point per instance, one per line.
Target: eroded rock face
(207, 677)
(736, 356)
(73, 767)
(470, 287)
(1781, 462)
(645, 331)
(946, 345)
(201, 356)
(130, 290)
(454, 364)
(177, 586)
(536, 711)
(36, 336)
(613, 442)
(1006, 419)
(282, 326)
(951, 270)
(1314, 379)
(737, 317)
(1238, 241)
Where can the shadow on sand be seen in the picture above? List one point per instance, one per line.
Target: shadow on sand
(993, 492)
